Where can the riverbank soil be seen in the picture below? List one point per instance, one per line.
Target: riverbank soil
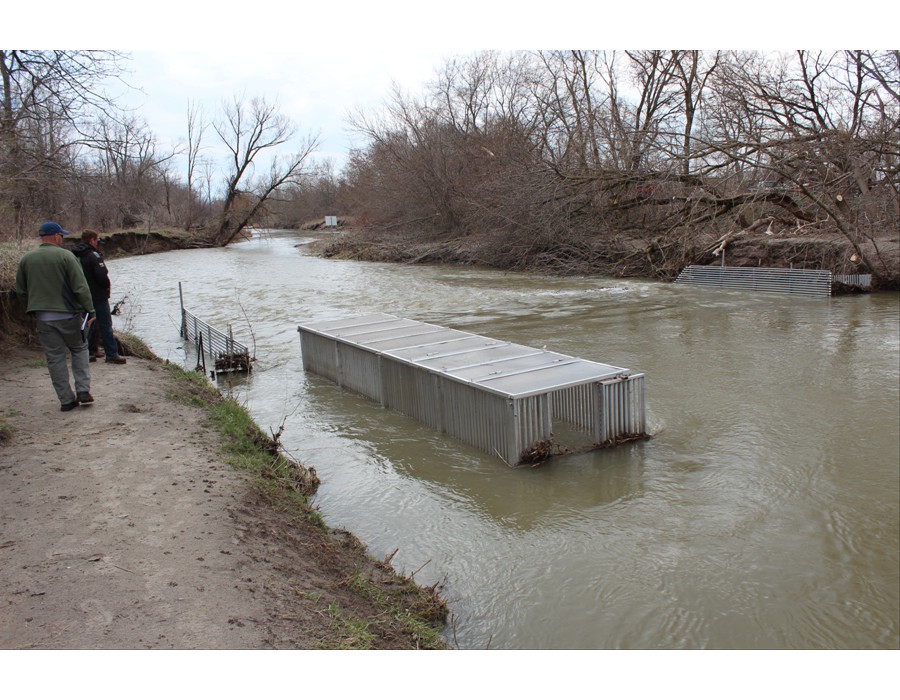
(122, 527)
(625, 255)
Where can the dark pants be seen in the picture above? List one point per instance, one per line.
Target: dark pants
(102, 329)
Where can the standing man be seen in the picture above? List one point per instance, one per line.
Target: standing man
(52, 287)
(97, 276)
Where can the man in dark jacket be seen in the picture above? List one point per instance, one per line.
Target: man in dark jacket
(88, 252)
(51, 285)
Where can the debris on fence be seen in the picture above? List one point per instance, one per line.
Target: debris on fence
(228, 355)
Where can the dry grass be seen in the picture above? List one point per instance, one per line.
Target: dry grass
(10, 252)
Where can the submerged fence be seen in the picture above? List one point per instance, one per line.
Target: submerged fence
(497, 396)
(862, 281)
(759, 279)
(228, 355)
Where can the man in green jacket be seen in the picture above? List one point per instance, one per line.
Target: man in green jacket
(52, 287)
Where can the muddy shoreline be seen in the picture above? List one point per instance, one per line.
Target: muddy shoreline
(125, 525)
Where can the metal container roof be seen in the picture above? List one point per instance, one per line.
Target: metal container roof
(511, 370)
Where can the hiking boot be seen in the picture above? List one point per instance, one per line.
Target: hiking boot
(85, 397)
(115, 360)
(68, 406)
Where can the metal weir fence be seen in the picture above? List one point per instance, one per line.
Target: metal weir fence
(759, 279)
(854, 280)
(228, 354)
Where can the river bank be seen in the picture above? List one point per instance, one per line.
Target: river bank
(625, 256)
(137, 523)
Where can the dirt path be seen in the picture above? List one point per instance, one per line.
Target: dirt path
(121, 527)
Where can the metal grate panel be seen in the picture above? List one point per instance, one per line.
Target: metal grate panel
(854, 280)
(228, 354)
(759, 279)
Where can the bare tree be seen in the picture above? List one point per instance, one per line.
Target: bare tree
(410, 163)
(196, 126)
(826, 127)
(46, 101)
(693, 77)
(132, 166)
(570, 105)
(251, 131)
(463, 91)
(208, 173)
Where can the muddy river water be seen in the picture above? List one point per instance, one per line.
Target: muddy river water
(764, 512)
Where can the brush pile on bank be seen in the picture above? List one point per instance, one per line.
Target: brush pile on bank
(622, 255)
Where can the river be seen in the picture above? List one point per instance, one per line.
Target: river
(763, 513)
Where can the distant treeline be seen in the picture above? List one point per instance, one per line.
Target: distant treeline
(662, 156)
(657, 155)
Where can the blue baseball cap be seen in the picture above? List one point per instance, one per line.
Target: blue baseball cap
(51, 228)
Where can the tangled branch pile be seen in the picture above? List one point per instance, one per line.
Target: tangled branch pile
(539, 161)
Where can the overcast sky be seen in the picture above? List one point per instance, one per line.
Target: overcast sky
(317, 63)
(315, 88)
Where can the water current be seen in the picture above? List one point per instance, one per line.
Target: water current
(764, 512)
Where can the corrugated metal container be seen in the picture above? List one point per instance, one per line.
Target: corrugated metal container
(497, 396)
